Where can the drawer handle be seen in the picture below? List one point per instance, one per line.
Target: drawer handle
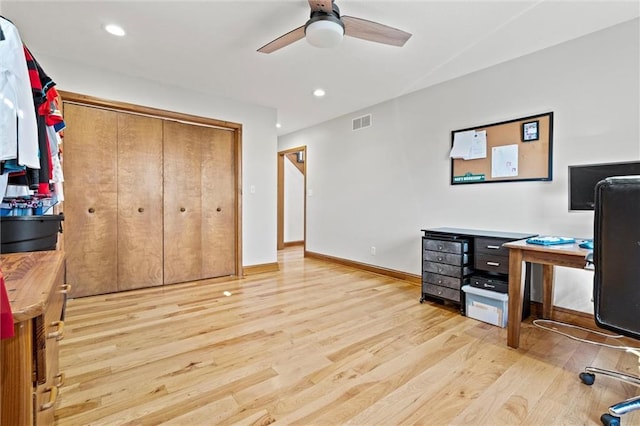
(440, 247)
(53, 396)
(59, 380)
(66, 288)
(493, 263)
(440, 259)
(92, 210)
(182, 209)
(439, 281)
(494, 247)
(140, 210)
(59, 333)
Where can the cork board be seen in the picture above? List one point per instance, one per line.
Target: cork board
(514, 150)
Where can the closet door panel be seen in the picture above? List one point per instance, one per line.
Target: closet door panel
(90, 206)
(182, 202)
(140, 218)
(218, 200)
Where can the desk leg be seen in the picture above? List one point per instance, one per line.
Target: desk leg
(516, 294)
(547, 291)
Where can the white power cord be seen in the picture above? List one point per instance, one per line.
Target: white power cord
(538, 323)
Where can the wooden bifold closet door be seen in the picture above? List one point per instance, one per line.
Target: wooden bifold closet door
(113, 206)
(198, 202)
(91, 199)
(139, 201)
(149, 201)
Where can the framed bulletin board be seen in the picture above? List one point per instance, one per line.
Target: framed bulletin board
(514, 150)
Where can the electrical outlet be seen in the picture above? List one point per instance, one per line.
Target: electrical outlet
(373, 251)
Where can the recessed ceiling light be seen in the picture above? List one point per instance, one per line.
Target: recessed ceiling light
(278, 125)
(318, 93)
(114, 29)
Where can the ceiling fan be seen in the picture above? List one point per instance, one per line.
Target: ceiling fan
(325, 28)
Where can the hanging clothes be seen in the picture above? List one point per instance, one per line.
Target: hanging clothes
(30, 120)
(41, 184)
(18, 125)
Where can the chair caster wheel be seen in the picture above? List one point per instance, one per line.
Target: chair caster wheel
(588, 379)
(609, 420)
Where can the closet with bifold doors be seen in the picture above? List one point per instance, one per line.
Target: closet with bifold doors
(149, 200)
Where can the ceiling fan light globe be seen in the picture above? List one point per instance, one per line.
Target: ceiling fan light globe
(324, 33)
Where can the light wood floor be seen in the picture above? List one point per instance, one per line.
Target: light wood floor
(317, 344)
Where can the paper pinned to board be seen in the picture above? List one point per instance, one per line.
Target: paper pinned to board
(504, 161)
(469, 145)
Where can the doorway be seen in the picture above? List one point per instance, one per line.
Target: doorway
(292, 201)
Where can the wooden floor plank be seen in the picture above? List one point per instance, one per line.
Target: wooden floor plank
(317, 343)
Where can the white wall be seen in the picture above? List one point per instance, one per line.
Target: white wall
(379, 186)
(293, 203)
(259, 139)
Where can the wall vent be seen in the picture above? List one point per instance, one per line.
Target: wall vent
(361, 122)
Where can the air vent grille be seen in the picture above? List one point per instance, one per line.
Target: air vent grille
(361, 122)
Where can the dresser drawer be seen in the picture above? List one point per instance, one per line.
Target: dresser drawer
(492, 246)
(441, 292)
(443, 269)
(457, 247)
(443, 257)
(492, 263)
(442, 280)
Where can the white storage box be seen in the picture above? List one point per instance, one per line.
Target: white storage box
(485, 305)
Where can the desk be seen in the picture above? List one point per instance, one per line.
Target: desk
(568, 255)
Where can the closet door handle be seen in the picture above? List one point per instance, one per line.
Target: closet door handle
(92, 210)
(219, 209)
(140, 209)
(182, 209)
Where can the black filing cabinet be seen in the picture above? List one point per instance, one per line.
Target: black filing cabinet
(446, 267)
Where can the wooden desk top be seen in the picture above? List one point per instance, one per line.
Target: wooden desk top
(568, 255)
(29, 279)
(572, 249)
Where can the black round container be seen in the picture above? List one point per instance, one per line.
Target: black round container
(29, 233)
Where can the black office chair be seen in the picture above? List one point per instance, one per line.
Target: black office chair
(616, 283)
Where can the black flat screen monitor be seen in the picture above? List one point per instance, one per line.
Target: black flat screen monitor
(583, 179)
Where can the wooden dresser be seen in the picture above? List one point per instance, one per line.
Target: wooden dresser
(30, 377)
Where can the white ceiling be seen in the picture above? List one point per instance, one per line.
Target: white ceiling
(210, 46)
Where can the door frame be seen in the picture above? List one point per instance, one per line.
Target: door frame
(236, 128)
(281, 159)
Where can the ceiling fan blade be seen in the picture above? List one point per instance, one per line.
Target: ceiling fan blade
(373, 31)
(282, 41)
(321, 5)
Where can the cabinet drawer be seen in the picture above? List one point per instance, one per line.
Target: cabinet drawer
(442, 280)
(492, 263)
(443, 257)
(457, 247)
(443, 269)
(490, 283)
(442, 292)
(491, 246)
